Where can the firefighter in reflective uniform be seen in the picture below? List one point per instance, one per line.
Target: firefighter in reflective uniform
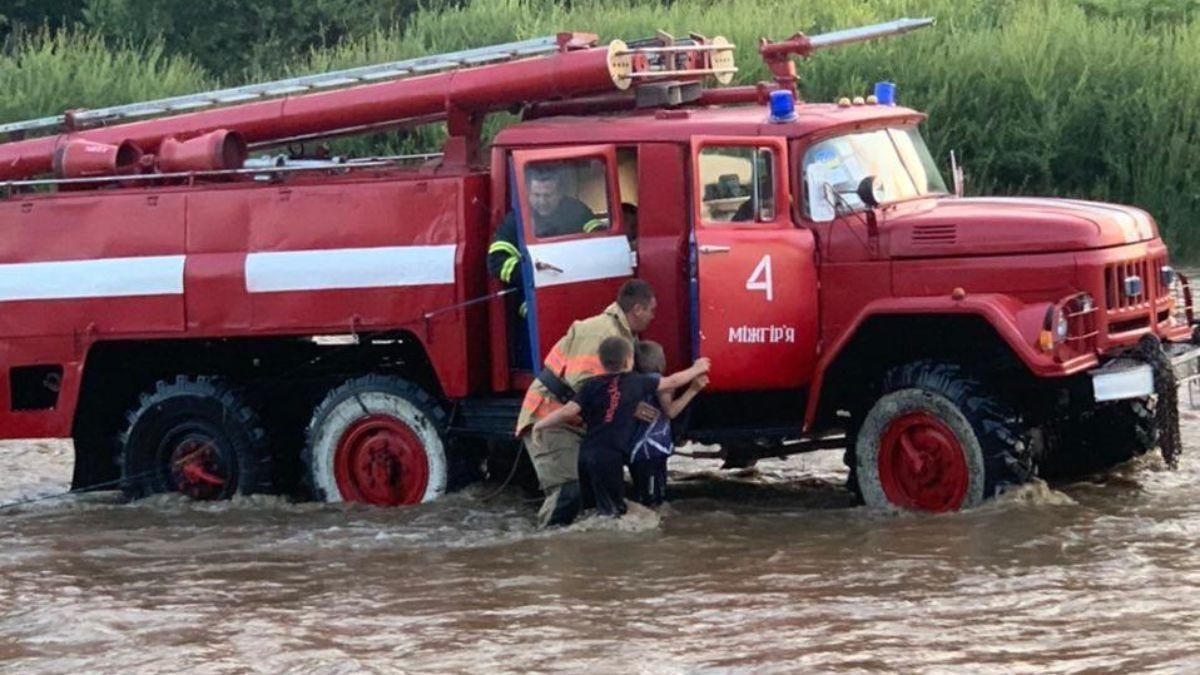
(555, 214)
(571, 361)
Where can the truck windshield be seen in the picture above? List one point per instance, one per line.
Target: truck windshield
(896, 157)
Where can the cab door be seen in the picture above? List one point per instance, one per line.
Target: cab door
(574, 260)
(755, 285)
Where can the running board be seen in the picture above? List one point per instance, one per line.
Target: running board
(494, 418)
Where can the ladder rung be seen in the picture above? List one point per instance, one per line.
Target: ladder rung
(386, 74)
(284, 91)
(235, 98)
(340, 82)
(189, 106)
(431, 67)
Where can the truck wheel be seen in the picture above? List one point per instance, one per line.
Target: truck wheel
(196, 437)
(938, 441)
(377, 440)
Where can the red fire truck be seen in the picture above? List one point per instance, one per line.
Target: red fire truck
(201, 322)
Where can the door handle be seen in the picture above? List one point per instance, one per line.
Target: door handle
(546, 267)
(714, 249)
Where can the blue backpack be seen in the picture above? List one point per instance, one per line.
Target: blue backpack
(653, 441)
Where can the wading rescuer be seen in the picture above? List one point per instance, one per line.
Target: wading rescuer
(573, 359)
(554, 214)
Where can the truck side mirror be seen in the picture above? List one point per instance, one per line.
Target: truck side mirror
(866, 192)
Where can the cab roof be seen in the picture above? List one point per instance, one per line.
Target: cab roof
(682, 124)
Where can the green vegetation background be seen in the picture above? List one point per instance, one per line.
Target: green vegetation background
(1086, 98)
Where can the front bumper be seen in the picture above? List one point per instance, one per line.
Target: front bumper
(1126, 378)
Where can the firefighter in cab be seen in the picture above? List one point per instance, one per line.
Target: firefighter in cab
(555, 214)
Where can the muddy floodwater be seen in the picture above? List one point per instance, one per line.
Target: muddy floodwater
(770, 570)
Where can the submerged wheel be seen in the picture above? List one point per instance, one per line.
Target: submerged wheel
(938, 441)
(196, 437)
(377, 440)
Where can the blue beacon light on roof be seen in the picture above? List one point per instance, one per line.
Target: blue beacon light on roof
(783, 106)
(885, 93)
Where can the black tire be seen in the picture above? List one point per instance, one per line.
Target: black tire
(1101, 438)
(938, 440)
(187, 434)
(411, 426)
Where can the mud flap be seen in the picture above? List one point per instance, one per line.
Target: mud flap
(1166, 388)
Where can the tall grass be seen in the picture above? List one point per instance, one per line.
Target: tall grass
(47, 73)
(1088, 98)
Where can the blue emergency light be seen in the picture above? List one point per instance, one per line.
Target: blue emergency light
(885, 93)
(783, 106)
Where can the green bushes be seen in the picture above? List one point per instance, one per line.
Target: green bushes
(1088, 98)
(49, 73)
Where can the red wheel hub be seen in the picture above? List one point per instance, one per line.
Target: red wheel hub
(196, 468)
(380, 460)
(922, 465)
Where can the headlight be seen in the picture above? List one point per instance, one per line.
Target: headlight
(1054, 328)
(1057, 325)
(1060, 326)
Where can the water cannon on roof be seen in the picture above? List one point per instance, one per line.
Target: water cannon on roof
(778, 55)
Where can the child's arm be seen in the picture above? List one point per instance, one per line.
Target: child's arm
(559, 417)
(677, 380)
(673, 408)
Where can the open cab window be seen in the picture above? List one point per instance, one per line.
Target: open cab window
(569, 197)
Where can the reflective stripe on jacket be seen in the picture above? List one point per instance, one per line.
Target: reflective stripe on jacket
(574, 358)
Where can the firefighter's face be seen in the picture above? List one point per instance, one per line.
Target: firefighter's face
(641, 316)
(545, 194)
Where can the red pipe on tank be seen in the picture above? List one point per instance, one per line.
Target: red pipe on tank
(474, 90)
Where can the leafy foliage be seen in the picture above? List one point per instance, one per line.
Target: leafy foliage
(32, 15)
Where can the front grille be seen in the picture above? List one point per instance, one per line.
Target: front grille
(1115, 274)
